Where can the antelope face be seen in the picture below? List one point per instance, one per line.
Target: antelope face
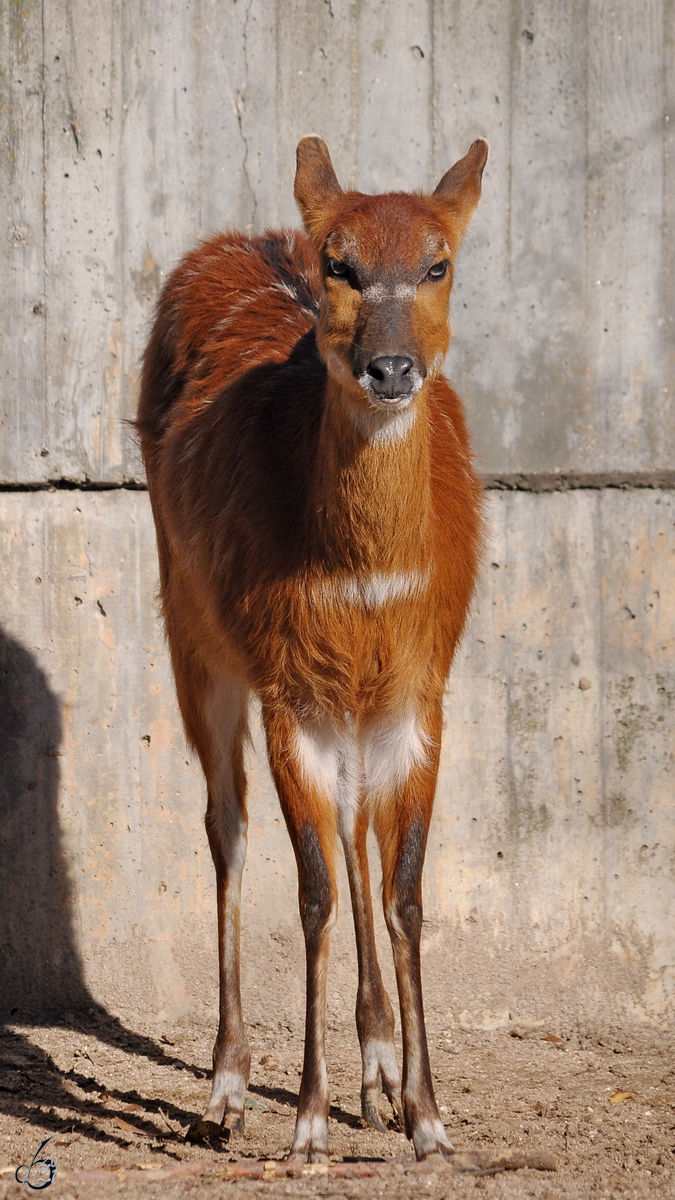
(384, 318)
(387, 268)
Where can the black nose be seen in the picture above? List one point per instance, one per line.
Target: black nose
(390, 375)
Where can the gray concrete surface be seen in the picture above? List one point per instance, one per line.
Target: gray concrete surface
(131, 130)
(552, 855)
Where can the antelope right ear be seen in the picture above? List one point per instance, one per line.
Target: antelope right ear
(315, 180)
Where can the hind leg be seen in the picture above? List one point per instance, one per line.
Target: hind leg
(220, 744)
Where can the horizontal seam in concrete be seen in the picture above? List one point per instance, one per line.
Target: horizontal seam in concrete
(553, 482)
(70, 485)
(517, 483)
(533, 482)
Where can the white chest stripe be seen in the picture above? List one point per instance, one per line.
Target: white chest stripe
(372, 591)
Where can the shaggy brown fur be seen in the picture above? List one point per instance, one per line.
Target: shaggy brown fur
(318, 523)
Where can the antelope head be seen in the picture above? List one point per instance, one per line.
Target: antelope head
(387, 264)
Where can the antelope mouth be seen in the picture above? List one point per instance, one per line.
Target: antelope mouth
(379, 399)
(389, 402)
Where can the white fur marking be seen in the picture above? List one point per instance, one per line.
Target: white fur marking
(315, 750)
(377, 1055)
(310, 1131)
(382, 425)
(428, 1136)
(237, 306)
(380, 422)
(330, 761)
(405, 291)
(391, 749)
(393, 923)
(374, 591)
(228, 1086)
(339, 763)
(375, 293)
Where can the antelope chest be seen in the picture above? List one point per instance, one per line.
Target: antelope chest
(358, 643)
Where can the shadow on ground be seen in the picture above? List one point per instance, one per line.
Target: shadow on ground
(41, 976)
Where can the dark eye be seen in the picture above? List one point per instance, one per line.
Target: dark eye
(438, 270)
(337, 269)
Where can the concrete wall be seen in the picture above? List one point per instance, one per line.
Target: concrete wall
(132, 129)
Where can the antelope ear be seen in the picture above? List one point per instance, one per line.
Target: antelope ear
(459, 189)
(315, 180)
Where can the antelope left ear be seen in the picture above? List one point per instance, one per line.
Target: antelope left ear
(459, 189)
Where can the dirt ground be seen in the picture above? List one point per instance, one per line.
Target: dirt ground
(120, 1100)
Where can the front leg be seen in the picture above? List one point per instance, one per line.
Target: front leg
(402, 824)
(374, 1015)
(309, 811)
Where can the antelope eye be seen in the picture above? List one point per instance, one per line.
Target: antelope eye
(438, 270)
(337, 269)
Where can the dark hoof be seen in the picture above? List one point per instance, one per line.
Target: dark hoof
(372, 1117)
(318, 1156)
(234, 1124)
(296, 1160)
(436, 1157)
(207, 1131)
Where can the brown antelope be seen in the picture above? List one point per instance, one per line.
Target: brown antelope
(318, 523)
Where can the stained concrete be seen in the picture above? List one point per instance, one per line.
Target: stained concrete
(131, 133)
(551, 866)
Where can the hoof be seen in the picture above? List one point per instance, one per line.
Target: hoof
(430, 1141)
(296, 1158)
(371, 1114)
(207, 1131)
(442, 1155)
(371, 1117)
(319, 1156)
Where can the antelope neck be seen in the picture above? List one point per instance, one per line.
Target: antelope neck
(371, 499)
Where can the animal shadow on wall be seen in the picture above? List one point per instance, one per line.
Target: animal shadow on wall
(42, 980)
(40, 969)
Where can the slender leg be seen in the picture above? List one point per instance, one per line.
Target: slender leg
(374, 1015)
(221, 751)
(402, 823)
(309, 810)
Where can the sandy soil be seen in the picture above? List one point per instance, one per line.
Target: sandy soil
(121, 1100)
